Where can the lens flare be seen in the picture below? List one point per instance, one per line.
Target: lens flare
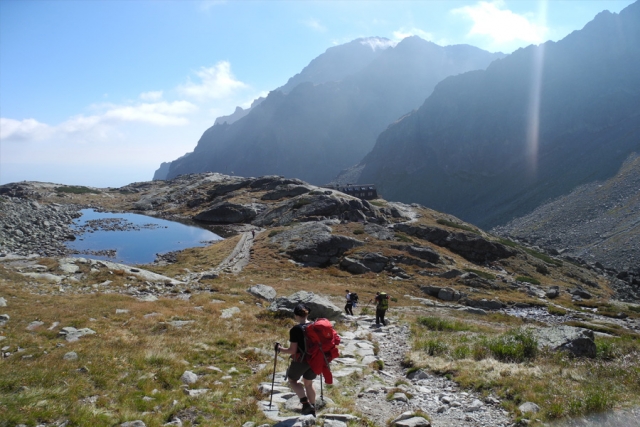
(535, 96)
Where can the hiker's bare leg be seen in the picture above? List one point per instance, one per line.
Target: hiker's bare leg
(297, 388)
(311, 392)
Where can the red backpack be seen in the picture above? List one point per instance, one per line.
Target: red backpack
(321, 344)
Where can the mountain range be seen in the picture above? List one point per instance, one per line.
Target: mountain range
(327, 118)
(479, 149)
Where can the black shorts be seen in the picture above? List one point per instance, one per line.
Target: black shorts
(300, 369)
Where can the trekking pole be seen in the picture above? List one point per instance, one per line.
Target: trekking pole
(321, 393)
(273, 379)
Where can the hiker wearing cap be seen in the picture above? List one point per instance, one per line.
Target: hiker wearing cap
(349, 307)
(382, 304)
(298, 367)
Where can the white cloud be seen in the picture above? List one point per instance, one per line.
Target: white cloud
(408, 32)
(501, 25)
(216, 82)
(97, 126)
(378, 43)
(159, 113)
(23, 130)
(315, 25)
(151, 96)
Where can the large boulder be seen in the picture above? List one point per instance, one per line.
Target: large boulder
(353, 266)
(312, 244)
(320, 306)
(578, 341)
(228, 213)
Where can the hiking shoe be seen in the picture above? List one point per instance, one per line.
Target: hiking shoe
(308, 409)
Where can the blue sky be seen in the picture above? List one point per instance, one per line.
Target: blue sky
(100, 92)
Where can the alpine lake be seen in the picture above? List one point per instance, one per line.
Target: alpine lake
(133, 238)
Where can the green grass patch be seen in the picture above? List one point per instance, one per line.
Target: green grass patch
(528, 279)
(515, 346)
(438, 324)
(358, 231)
(404, 238)
(556, 311)
(481, 273)
(378, 203)
(75, 189)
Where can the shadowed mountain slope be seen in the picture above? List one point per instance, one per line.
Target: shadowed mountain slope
(466, 151)
(316, 130)
(597, 222)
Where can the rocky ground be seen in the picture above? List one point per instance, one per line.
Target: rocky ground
(597, 224)
(288, 228)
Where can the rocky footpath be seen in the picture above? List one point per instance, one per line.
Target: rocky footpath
(386, 395)
(29, 227)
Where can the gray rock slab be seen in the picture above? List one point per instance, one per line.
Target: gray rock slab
(72, 355)
(578, 341)
(34, 325)
(52, 278)
(229, 312)
(189, 377)
(3, 302)
(264, 292)
(136, 423)
(413, 422)
(195, 392)
(529, 407)
(319, 305)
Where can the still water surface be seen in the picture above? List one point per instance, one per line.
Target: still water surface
(132, 238)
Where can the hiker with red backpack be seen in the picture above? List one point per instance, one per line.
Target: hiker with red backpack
(313, 346)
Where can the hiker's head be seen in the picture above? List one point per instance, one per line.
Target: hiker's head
(347, 291)
(377, 293)
(301, 310)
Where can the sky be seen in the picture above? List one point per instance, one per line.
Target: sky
(99, 93)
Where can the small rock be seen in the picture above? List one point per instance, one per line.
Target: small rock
(3, 302)
(529, 407)
(121, 311)
(137, 423)
(195, 392)
(72, 355)
(189, 377)
(476, 405)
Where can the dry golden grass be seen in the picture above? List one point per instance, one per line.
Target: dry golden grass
(130, 356)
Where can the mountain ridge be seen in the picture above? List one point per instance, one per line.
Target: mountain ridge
(468, 141)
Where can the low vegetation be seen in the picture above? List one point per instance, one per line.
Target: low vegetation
(491, 360)
(76, 189)
(458, 226)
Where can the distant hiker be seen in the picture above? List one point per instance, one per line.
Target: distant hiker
(298, 367)
(253, 234)
(382, 304)
(349, 307)
(354, 299)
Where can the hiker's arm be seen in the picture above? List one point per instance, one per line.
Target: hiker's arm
(293, 348)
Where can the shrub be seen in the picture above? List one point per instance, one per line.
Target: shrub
(274, 232)
(433, 347)
(358, 231)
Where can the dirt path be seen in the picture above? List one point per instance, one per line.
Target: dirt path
(237, 259)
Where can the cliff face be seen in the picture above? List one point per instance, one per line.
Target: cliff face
(316, 130)
(468, 149)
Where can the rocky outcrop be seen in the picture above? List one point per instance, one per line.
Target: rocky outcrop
(318, 204)
(472, 247)
(578, 341)
(313, 244)
(286, 191)
(319, 306)
(229, 213)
